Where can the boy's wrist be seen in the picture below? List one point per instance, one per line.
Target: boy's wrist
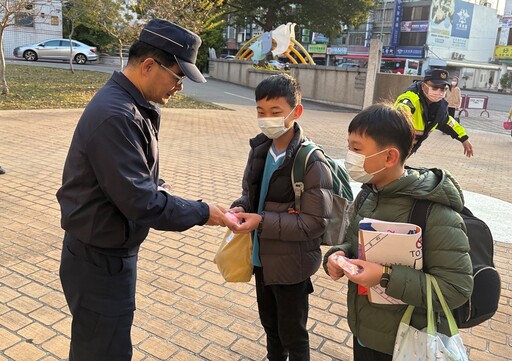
(260, 225)
(386, 275)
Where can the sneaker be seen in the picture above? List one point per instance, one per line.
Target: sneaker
(2, 171)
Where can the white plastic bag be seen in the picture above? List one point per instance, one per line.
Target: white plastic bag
(429, 345)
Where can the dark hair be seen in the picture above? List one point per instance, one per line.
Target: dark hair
(387, 126)
(277, 86)
(139, 51)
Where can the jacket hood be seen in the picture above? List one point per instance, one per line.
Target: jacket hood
(415, 86)
(434, 184)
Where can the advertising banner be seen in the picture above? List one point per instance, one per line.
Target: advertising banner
(463, 15)
(337, 50)
(503, 52)
(414, 26)
(395, 27)
(317, 48)
(450, 23)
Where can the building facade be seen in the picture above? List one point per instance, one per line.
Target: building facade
(39, 21)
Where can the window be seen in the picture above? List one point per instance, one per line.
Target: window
(52, 43)
(413, 39)
(25, 18)
(357, 39)
(55, 20)
(415, 13)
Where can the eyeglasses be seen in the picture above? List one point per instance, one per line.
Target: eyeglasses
(442, 87)
(179, 80)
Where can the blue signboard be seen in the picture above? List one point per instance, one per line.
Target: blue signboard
(395, 27)
(319, 38)
(388, 50)
(417, 52)
(462, 18)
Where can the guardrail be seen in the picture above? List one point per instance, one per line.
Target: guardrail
(474, 102)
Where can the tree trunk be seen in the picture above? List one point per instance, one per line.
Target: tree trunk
(5, 88)
(71, 48)
(120, 53)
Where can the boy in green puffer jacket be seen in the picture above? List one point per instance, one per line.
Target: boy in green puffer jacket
(380, 139)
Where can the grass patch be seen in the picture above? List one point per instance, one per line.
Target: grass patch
(36, 87)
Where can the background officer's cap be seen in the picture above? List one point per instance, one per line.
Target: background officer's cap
(437, 76)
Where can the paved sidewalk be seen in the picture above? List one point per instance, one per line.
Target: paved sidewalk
(185, 310)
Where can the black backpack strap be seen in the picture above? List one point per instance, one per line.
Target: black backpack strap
(419, 212)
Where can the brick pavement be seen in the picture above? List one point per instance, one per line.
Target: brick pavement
(185, 310)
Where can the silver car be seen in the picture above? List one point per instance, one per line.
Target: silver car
(57, 49)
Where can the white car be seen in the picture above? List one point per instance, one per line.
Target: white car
(57, 49)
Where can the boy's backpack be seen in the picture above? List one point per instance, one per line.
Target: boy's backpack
(342, 193)
(483, 303)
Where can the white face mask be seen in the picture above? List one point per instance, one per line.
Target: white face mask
(354, 163)
(434, 95)
(273, 127)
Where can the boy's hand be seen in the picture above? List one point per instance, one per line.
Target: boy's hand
(371, 275)
(334, 270)
(236, 210)
(250, 221)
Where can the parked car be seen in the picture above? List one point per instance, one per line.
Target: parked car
(347, 65)
(276, 64)
(228, 57)
(57, 49)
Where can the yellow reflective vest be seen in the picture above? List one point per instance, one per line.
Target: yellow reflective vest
(436, 114)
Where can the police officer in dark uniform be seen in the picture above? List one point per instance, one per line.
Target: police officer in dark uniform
(111, 194)
(429, 109)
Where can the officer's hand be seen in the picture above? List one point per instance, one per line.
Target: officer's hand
(468, 148)
(218, 217)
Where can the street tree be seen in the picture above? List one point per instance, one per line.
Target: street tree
(9, 12)
(113, 17)
(325, 16)
(196, 15)
(204, 17)
(118, 19)
(75, 13)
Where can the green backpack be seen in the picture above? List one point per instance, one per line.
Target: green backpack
(342, 193)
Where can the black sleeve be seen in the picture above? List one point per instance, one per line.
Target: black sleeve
(119, 162)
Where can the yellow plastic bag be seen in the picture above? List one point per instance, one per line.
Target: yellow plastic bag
(233, 259)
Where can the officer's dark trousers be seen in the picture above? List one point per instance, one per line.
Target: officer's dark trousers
(283, 311)
(100, 292)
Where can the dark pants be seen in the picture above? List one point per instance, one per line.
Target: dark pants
(283, 311)
(367, 354)
(100, 292)
(451, 111)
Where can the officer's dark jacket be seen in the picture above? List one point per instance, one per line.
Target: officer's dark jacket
(109, 197)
